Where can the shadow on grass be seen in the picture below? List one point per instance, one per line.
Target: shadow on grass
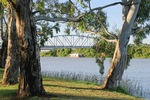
(70, 87)
(12, 95)
(8, 94)
(119, 89)
(60, 96)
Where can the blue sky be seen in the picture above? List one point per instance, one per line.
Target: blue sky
(113, 13)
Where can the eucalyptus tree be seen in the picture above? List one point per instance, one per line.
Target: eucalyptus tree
(12, 64)
(30, 82)
(130, 22)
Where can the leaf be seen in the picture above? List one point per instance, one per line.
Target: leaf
(67, 31)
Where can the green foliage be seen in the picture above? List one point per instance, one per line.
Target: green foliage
(100, 62)
(63, 52)
(56, 53)
(67, 31)
(104, 47)
(49, 53)
(45, 31)
(140, 51)
(90, 22)
(142, 26)
(3, 2)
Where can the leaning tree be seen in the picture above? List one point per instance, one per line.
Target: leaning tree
(133, 22)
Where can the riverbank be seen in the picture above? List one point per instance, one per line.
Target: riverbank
(61, 89)
(140, 51)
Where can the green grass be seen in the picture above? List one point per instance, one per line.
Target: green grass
(62, 89)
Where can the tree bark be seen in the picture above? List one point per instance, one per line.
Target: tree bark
(119, 61)
(30, 82)
(10, 75)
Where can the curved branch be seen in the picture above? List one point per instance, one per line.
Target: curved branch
(47, 18)
(74, 6)
(108, 40)
(34, 12)
(107, 32)
(113, 4)
(116, 3)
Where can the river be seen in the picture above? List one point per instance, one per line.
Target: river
(139, 69)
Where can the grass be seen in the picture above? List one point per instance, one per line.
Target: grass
(58, 88)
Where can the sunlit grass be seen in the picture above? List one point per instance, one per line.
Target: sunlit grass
(63, 89)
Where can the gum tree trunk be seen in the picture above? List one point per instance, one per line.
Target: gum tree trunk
(119, 61)
(30, 82)
(10, 75)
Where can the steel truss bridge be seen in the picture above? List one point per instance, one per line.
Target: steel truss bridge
(69, 41)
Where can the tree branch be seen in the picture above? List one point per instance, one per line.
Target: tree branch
(113, 4)
(116, 3)
(74, 6)
(34, 12)
(75, 19)
(105, 29)
(108, 40)
(47, 18)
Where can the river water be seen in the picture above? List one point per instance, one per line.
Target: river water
(138, 70)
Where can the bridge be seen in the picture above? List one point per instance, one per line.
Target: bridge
(68, 41)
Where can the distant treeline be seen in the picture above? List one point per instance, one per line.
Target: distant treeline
(140, 51)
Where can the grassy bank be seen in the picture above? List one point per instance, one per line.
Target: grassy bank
(64, 89)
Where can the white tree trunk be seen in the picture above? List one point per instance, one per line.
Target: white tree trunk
(119, 61)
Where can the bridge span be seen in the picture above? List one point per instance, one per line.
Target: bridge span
(69, 41)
